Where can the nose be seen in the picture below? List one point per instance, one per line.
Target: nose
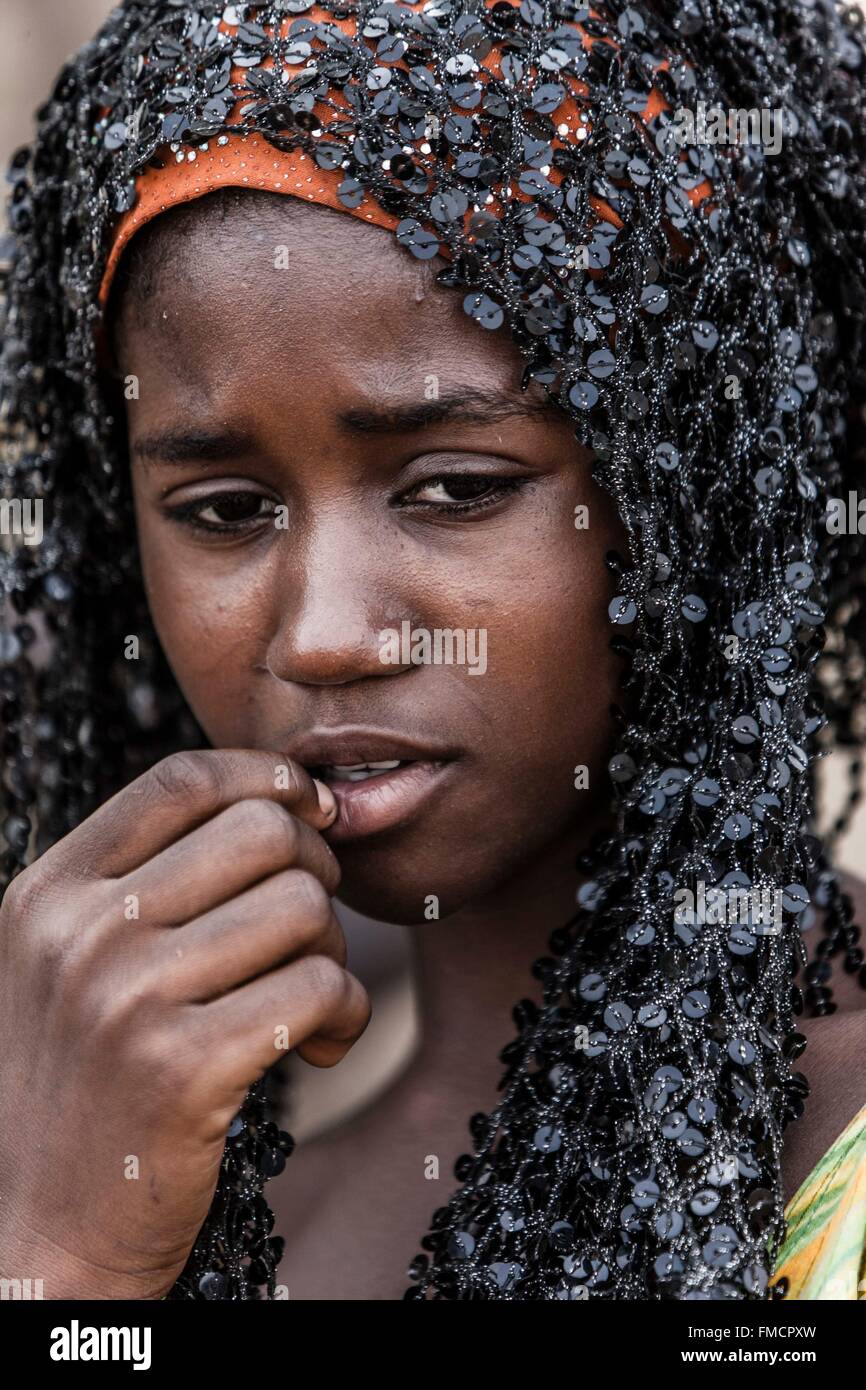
(341, 586)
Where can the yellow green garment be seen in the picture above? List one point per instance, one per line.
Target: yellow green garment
(823, 1255)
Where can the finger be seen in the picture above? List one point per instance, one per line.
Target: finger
(312, 1005)
(239, 847)
(175, 796)
(288, 916)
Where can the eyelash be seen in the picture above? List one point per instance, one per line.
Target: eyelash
(189, 513)
(500, 487)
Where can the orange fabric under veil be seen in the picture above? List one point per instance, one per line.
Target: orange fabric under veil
(249, 161)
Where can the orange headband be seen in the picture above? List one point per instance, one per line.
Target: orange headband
(249, 161)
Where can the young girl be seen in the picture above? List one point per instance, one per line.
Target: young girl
(471, 566)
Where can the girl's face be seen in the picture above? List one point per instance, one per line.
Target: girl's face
(334, 450)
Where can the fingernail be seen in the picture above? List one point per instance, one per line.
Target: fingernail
(327, 800)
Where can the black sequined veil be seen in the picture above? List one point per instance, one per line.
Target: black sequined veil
(644, 1164)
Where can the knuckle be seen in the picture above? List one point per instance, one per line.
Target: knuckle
(270, 824)
(23, 896)
(155, 1057)
(188, 776)
(313, 898)
(110, 1008)
(63, 959)
(39, 926)
(328, 980)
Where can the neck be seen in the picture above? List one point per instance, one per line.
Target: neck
(476, 965)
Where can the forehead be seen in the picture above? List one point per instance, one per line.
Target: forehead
(270, 285)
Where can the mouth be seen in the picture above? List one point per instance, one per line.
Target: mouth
(360, 772)
(373, 798)
(380, 781)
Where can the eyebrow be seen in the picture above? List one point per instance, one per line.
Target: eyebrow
(459, 405)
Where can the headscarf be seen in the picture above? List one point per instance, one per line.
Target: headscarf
(706, 339)
(247, 160)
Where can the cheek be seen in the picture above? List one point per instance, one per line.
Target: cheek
(551, 670)
(212, 627)
(554, 574)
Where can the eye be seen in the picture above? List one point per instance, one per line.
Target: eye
(463, 492)
(224, 511)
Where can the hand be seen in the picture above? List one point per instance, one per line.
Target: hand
(153, 965)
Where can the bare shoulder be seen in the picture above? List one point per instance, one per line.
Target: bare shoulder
(834, 1061)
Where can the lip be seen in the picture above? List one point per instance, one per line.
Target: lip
(393, 797)
(344, 746)
(385, 801)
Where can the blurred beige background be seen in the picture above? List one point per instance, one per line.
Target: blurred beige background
(35, 37)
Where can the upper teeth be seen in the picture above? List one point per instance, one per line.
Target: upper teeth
(356, 772)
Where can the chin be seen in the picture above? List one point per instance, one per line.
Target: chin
(427, 876)
(420, 900)
(401, 909)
